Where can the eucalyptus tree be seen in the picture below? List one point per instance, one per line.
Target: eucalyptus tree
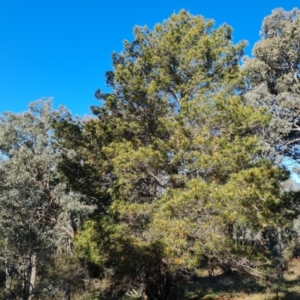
(37, 213)
(273, 76)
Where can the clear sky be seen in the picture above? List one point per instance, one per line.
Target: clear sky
(62, 48)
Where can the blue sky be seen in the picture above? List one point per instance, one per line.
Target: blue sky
(62, 48)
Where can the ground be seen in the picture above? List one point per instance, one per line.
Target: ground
(245, 287)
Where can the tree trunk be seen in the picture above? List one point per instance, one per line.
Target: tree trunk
(170, 287)
(33, 270)
(7, 285)
(161, 288)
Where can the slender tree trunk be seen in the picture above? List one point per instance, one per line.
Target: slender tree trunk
(33, 270)
(170, 287)
(280, 267)
(7, 285)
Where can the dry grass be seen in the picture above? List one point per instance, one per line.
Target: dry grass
(291, 291)
(289, 295)
(239, 287)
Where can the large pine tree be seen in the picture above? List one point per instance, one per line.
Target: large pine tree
(172, 161)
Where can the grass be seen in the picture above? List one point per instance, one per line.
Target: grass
(240, 287)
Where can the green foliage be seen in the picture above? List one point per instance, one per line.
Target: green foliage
(169, 177)
(38, 216)
(173, 162)
(273, 78)
(273, 81)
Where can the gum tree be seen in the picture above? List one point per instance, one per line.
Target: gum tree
(273, 77)
(38, 215)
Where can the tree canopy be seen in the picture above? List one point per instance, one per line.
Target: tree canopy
(174, 173)
(273, 78)
(37, 212)
(176, 153)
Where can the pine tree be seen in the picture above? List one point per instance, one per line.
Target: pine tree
(173, 160)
